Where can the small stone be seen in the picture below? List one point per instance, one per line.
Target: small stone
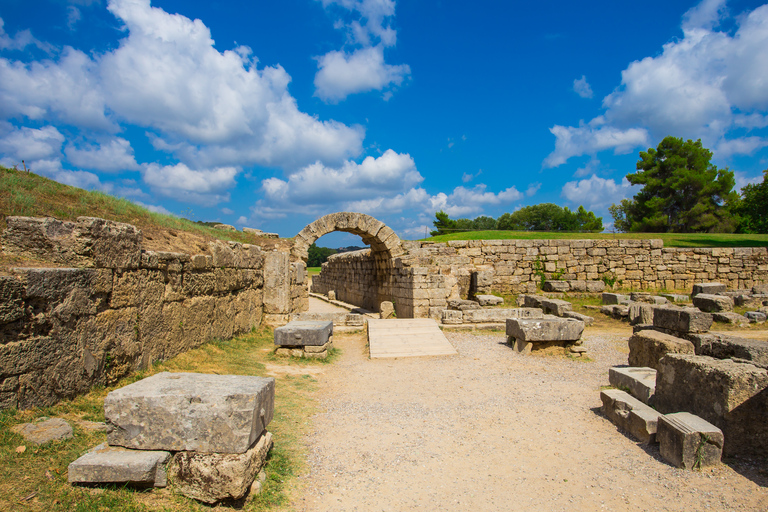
(386, 310)
(41, 432)
(331, 295)
(755, 317)
(577, 349)
(729, 317)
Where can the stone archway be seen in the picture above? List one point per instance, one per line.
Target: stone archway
(373, 232)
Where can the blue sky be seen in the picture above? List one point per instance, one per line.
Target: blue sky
(272, 114)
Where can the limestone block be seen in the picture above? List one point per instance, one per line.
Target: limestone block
(386, 310)
(614, 298)
(595, 286)
(312, 349)
(674, 297)
(481, 281)
(756, 317)
(106, 464)
(556, 307)
(640, 381)
(436, 313)
(760, 289)
(44, 430)
(451, 316)
(530, 301)
(462, 305)
(499, 314)
(489, 300)
(616, 311)
(646, 348)
(11, 299)
(640, 313)
(331, 295)
(687, 441)
(354, 320)
(190, 412)
(731, 395)
(556, 286)
(678, 319)
(545, 329)
(111, 244)
(729, 317)
(588, 320)
(712, 303)
(630, 414)
(725, 346)
(277, 286)
(708, 288)
(301, 333)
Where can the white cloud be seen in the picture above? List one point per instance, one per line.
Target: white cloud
(743, 180)
(700, 86)
(595, 192)
(582, 87)
(591, 138)
(21, 40)
(373, 23)
(467, 176)
(29, 144)
(114, 155)
(73, 16)
(740, 146)
(532, 189)
(341, 74)
(205, 187)
(156, 208)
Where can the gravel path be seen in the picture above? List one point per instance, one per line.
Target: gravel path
(494, 430)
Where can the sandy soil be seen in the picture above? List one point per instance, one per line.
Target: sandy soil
(493, 430)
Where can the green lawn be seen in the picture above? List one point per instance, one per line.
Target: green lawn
(670, 239)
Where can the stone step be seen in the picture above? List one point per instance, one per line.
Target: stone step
(641, 381)
(687, 441)
(106, 464)
(630, 414)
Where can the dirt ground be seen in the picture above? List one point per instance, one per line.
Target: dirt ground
(490, 429)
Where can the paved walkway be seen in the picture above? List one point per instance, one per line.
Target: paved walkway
(407, 337)
(320, 306)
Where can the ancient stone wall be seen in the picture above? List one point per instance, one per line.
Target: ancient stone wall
(430, 273)
(120, 308)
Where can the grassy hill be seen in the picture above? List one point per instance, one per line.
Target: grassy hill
(27, 194)
(670, 239)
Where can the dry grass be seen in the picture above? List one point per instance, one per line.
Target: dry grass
(36, 479)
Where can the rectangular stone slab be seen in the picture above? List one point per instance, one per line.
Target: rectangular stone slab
(190, 412)
(687, 441)
(300, 333)
(545, 329)
(630, 414)
(707, 288)
(677, 319)
(646, 348)
(641, 382)
(113, 465)
(500, 314)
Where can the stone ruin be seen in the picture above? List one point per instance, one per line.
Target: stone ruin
(307, 339)
(708, 391)
(204, 435)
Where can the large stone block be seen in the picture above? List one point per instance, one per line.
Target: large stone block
(732, 396)
(556, 286)
(544, 329)
(190, 412)
(712, 303)
(614, 298)
(646, 348)
(630, 414)
(729, 317)
(213, 477)
(452, 317)
(489, 300)
(709, 288)
(687, 441)
(500, 314)
(726, 346)
(277, 285)
(640, 313)
(106, 464)
(302, 333)
(677, 319)
(556, 307)
(641, 382)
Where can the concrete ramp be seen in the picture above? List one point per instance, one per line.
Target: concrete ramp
(407, 337)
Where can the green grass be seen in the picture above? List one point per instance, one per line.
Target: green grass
(27, 194)
(670, 239)
(37, 477)
(313, 271)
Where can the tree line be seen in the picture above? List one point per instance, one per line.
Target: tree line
(539, 217)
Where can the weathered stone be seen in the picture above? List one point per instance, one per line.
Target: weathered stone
(640, 381)
(756, 317)
(213, 477)
(500, 314)
(489, 300)
(614, 298)
(224, 227)
(331, 295)
(732, 396)
(687, 441)
(44, 430)
(675, 297)
(277, 283)
(451, 316)
(678, 319)
(616, 311)
(253, 231)
(646, 348)
(556, 286)
(588, 320)
(106, 464)
(190, 411)
(386, 310)
(760, 289)
(354, 320)
(595, 286)
(640, 313)
(725, 346)
(481, 281)
(11, 299)
(630, 414)
(311, 349)
(462, 305)
(301, 333)
(708, 288)
(641, 297)
(544, 329)
(712, 303)
(729, 317)
(556, 307)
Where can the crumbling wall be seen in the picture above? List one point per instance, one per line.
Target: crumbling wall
(117, 310)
